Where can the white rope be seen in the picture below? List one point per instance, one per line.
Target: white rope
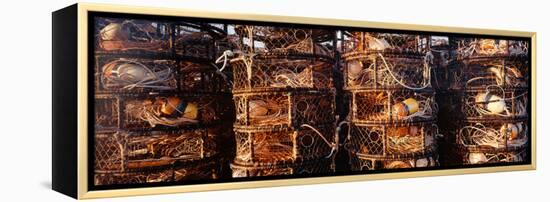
(333, 145)
(146, 82)
(426, 66)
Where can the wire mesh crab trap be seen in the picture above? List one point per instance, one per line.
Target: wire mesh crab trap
(306, 168)
(469, 48)
(287, 108)
(494, 102)
(273, 72)
(172, 111)
(391, 141)
(497, 135)
(361, 162)
(501, 71)
(390, 106)
(490, 155)
(106, 112)
(116, 34)
(356, 41)
(197, 40)
(281, 145)
(387, 70)
(145, 37)
(125, 151)
(268, 39)
(200, 170)
(116, 74)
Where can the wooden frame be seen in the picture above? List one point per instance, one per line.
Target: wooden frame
(71, 101)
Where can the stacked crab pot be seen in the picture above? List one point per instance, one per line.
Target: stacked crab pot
(492, 83)
(284, 99)
(392, 110)
(158, 102)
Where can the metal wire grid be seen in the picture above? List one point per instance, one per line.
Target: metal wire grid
(282, 145)
(386, 106)
(271, 39)
(321, 166)
(121, 151)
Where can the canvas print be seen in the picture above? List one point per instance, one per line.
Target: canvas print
(192, 101)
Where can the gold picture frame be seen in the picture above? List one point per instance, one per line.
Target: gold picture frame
(82, 79)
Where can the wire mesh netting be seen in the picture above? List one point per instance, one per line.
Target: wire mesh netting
(268, 145)
(503, 72)
(139, 75)
(499, 134)
(391, 140)
(178, 173)
(356, 41)
(361, 162)
(388, 106)
(172, 111)
(483, 155)
(495, 103)
(116, 74)
(106, 113)
(480, 47)
(115, 34)
(121, 151)
(284, 108)
(387, 70)
(321, 166)
(271, 39)
(197, 40)
(265, 72)
(181, 38)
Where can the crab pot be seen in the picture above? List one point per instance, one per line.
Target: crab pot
(285, 108)
(386, 70)
(497, 134)
(391, 140)
(388, 106)
(106, 112)
(501, 71)
(132, 151)
(495, 103)
(487, 155)
(281, 145)
(120, 74)
(200, 170)
(484, 47)
(197, 40)
(280, 71)
(267, 39)
(123, 35)
(203, 78)
(305, 168)
(361, 162)
(170, 112)
(384, 42)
